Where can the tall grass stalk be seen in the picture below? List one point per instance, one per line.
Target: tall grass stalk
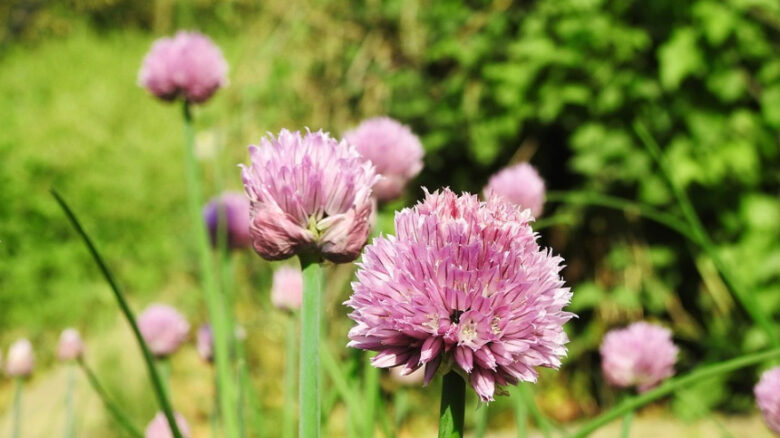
(17, 419)
(290, 367)
(116, 412)
(70, 408)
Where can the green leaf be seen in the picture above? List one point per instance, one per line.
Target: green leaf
(679, 58)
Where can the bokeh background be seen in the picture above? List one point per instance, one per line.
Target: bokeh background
(559, 83)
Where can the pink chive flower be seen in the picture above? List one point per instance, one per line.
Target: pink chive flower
(233, 208)
(159, 428)
(164, 329)
(641, 355)
(205, 343)
(21, 359)
(462, 285)
(309, 194)
(187, 66)
(287, 288)
(395, 151)
(767, 393)
(519, 184)
(71, 347)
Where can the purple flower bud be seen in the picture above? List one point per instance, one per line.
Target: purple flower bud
(159, 428)
(519, 184)
(393, 149)
(21, 359)
(465, 284)
(187, 66)
(71, 347)
(287, 288)
(641, 355)
(205, 343)
(309, 194)
(233, 207)
(163, 328)
(767, 393)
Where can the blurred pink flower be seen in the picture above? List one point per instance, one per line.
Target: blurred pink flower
(309, 194)
(287, 288)
(464, 284)
(393, 149)
(187, 66)
(205, 343)
(21, 359)
(641, 355)
(159, 428)
(767, 393)
(234, 208)
(71, 347)
(164, 329)
(519, 184)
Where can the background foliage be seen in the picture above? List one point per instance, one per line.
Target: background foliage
(559, 83)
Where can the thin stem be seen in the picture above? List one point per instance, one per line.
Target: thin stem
(164, 368)
(70, 411)
(116, 412)
(746, 299)
(338, 376)
(218, 315)
(288, 412)
(371, 395)
(480, 422)
(309, 382)
(521, 412)
(17, 427)
(633, 403)
(453, 406)
(527, 394)
(625, 430)
(162, 400)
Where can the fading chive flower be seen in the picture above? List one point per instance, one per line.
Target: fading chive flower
(767, 393)
(21, 359)
(641, 355)
(205, 343)
(393, 149)
(519, 184)
(186, 66)
(287, 288)
(159, 427)
(163, 328)
(228, 213)
(463, 285)
(70, 347)
(309, 195)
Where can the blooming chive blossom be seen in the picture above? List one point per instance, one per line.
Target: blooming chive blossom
(187, 66)
(464, 284)
(21, 359)
(287, 288)
(233, 209)
(640, 355)
(767, 393)
(520, 184)
(309, 194)
(395, 151)
(205, 343)
(159, 427)
(71, 347)
(164, 329)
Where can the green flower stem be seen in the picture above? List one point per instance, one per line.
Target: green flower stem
(339, 376)
(17, 427)
(218, 315)
(309, 381)
(526, 392)
(291, 350)
(668, 387)
(625, 430)
(70, 411)
(453, 406)
(746, 299)
(119, 416)
(521, 412)
(164, 369)
(159, 392)
(480, 422)
(371, 395)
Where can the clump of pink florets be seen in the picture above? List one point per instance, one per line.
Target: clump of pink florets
(187, 66)
(641, 355)
(519, 184)
(205, 343)
(395, 151)
(228, 213)
(159, 427)
(462, 285)
(163, 328)
(767, 393)
(21, 359)
(287, 288)
(70, 347)
(309, 194)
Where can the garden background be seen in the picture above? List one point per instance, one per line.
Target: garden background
(561, 83)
